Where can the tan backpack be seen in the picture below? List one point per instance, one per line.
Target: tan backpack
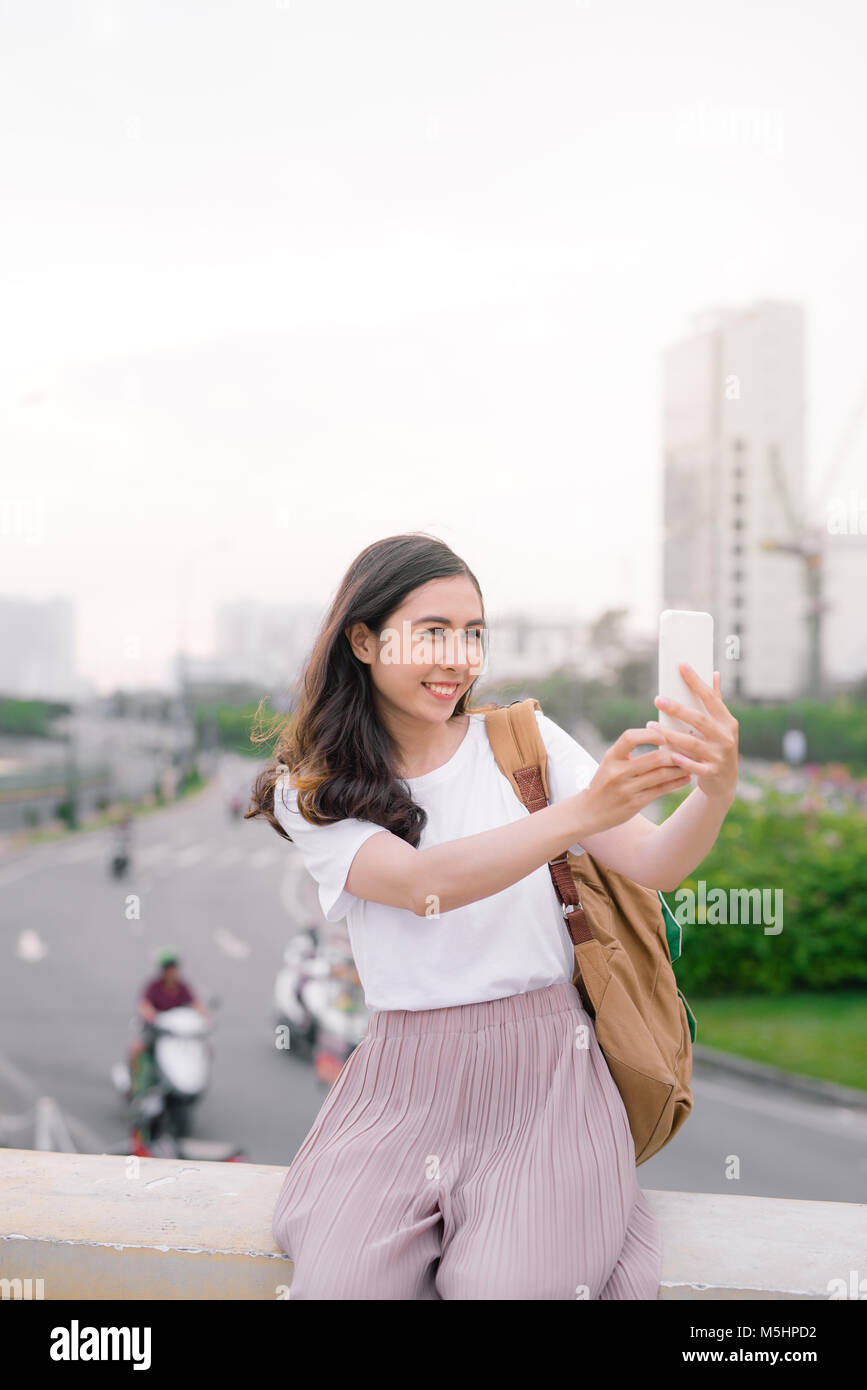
(625, 941)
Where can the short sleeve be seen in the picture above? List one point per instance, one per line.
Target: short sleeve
(327, 850)
(570, 767)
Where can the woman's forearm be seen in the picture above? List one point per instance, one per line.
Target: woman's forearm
(471, 868)
(681, 843)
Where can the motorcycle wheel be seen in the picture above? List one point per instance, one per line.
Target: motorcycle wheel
(302, 1043)
(179, 1117)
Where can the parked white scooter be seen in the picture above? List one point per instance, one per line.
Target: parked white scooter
(319, 999)
(337, 1005)
(301, 963)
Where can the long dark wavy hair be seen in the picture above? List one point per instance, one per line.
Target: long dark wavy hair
(340, 756)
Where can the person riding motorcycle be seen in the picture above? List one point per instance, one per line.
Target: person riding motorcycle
(121, 848)
(165, 991)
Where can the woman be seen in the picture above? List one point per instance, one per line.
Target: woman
(470, 1148)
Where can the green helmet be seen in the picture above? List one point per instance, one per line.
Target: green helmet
(167, 957)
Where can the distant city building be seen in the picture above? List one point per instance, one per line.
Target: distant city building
(257, 644)
(522, 646)
(733, 445)
(37, 649)
(266, 646)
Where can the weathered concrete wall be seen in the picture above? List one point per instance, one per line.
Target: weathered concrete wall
(94, 1226)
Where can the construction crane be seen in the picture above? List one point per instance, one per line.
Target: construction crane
(808, 543)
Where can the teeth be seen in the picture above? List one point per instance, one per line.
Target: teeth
(441, 689)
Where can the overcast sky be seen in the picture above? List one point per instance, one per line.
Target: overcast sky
(278, 279)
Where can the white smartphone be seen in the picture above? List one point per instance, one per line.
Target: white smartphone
(683, 636)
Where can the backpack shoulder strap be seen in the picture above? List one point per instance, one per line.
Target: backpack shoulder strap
(521, 755)
(520, 751)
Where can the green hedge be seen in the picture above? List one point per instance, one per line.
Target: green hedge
(836, 732)
(230, 726)
(819, 861)
(29, 718)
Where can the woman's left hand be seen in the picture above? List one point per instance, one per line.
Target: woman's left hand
(713, 756)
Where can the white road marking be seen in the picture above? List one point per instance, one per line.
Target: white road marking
(30, 945)
(192, 854)
(231, 945)
(75, 854)
(152, 854)
(88, 1138)
(22, 1084)
(50, 1128)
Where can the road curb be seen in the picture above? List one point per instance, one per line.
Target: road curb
(808, 1086)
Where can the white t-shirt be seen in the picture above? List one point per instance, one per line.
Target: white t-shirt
(514, 941)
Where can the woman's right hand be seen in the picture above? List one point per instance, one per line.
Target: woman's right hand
(622, 785)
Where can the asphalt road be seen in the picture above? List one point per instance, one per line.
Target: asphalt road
(228, 894)
(73, 965)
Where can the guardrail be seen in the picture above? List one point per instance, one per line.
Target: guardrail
(111, 1226)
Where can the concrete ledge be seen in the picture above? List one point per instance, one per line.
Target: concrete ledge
(110, 1226)
(725, 1246)
(107, 1226)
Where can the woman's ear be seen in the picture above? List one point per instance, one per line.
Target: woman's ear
(361, 641)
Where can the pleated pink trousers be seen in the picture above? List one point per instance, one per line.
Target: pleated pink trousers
(480, 1151)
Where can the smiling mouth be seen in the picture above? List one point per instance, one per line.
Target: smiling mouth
(442, 691)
